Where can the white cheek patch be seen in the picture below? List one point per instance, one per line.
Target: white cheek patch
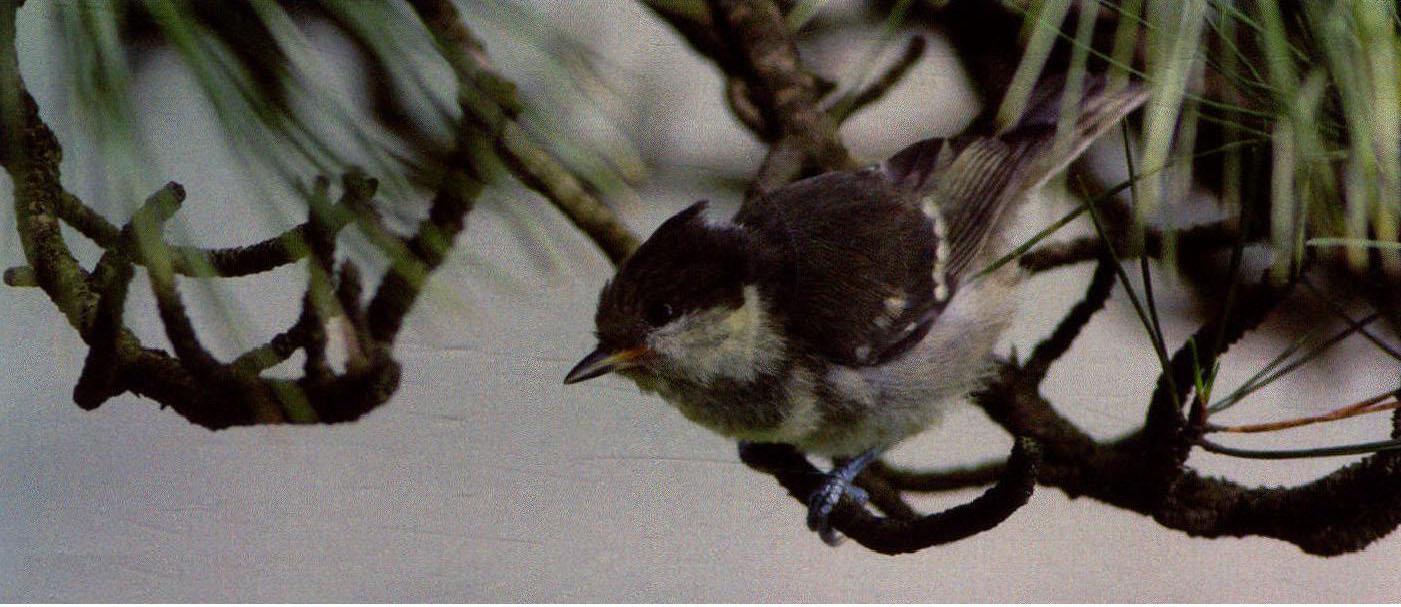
(736, 344)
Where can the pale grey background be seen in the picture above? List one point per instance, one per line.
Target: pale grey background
(485, 479)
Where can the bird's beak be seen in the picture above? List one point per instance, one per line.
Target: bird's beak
(602, 362)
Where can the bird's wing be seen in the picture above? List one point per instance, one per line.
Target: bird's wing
(969, 182)
(853, 264)
(868, 259)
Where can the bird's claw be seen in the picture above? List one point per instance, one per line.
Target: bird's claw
(824, 499)
(834, 486)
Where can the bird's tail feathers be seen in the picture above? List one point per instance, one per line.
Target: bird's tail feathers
(971, 180)
(1060, 134)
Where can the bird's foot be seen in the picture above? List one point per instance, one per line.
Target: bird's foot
(837, 484)
(824, 499)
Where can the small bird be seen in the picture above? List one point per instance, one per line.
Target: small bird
(844, 312)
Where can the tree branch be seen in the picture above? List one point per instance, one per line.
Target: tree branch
(489, 101)
(854, 102)
(903, 535)
(192, 382)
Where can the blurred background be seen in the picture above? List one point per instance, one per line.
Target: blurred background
(486, 479)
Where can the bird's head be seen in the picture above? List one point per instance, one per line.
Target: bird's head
(683, 306)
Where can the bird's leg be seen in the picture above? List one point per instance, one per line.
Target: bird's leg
(837, 484)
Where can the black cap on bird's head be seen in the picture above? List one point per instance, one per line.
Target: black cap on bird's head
(687, 265)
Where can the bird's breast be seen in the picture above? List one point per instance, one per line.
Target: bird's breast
(752, 410)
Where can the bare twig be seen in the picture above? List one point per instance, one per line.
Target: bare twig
(1058, 343)
(98, 381)
(489, 100)
(282, 249)
(785, 92)
(542, 173)
(767, 86)
(854, 102)
(901, 534)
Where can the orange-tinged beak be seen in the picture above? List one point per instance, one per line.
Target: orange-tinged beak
(602, 362)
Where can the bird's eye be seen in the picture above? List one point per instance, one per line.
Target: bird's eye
(659, 313)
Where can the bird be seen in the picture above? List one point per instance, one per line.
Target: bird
(846, 311)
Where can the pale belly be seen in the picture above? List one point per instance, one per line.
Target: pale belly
(837, 411)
